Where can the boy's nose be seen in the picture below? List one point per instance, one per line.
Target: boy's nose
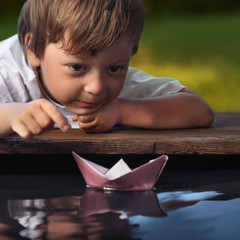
(94, 84)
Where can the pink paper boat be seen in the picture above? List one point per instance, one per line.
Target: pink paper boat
(120, 177)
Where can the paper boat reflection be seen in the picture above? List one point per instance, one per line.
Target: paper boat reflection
(120, 177)
(143, 203)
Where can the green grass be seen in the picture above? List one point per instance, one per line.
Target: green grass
(203, 52)
(7, 28)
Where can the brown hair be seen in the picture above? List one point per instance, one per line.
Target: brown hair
(90, 25)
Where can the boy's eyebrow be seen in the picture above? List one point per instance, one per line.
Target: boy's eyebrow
(85, 57)
(121, 60)
(75, 57)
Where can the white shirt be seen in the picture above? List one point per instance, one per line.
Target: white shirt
(18, 82)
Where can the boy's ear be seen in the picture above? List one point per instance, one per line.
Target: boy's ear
(32, 58)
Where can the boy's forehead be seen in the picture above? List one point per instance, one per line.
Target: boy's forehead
(119, 53)
(123, 43)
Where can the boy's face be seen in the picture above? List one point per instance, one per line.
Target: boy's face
(84, 83)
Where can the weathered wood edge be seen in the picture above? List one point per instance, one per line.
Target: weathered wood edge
(224, 138)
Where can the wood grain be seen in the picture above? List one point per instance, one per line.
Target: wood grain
(222, 138)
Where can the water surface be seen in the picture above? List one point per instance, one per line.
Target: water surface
(184, 205)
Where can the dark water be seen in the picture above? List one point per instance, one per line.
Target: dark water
(184, 205)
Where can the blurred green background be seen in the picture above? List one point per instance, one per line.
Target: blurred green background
(195, 41)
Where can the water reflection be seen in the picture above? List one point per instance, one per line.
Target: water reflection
(52, 218)
(204, 210)
(124, 203)
(94, 215)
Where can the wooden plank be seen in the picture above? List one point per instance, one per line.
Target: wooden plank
(222, 138)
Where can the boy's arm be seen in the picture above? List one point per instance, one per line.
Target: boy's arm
(7, 110)
(185, 109)
(29, 119)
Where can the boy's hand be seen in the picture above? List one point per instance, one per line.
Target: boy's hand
(100, 121)
(34, 117)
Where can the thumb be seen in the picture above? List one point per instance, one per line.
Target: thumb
(75, 118)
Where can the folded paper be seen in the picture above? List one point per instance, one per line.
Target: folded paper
(120, 177)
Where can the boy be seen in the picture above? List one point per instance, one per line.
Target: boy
(77, 56)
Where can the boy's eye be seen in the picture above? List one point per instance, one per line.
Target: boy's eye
(77, 67)
(115, 68)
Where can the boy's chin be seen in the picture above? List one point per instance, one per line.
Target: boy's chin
(84, 111)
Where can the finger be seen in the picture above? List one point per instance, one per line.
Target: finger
(22, 130)
(55, 115)
(75, 118)
(86, 126)
(86, 118)
(42, 119)
(27, 122)
(90, 128)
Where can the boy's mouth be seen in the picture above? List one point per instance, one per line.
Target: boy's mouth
(83, 104)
